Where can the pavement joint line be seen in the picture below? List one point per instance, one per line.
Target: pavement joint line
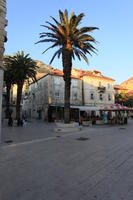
(39, 140)
(46, 139)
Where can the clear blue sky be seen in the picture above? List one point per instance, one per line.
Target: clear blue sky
(115, 37)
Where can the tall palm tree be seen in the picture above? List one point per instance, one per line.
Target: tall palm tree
(9, 81)
(72, 41)
(24, 68)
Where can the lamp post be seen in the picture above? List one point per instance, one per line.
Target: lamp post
(3, 38)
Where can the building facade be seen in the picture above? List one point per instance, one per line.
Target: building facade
(3, 23)
(46, 97)
(98, 90)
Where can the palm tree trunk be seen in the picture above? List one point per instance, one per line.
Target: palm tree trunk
(8, 88)
(19, 95)
(67, 65)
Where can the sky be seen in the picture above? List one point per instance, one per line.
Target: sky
(114, 18)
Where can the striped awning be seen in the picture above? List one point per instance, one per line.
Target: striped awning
(116, 106)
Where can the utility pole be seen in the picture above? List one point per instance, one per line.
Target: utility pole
(3, 39)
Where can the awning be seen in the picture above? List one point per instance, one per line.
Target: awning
(87, 108)
(115, 107)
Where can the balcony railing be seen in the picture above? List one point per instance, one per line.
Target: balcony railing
(101, 88)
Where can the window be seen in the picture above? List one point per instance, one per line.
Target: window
(29, 88)
(109, 97)
(92, 96)
(101, 97)
(36, 84)
(108, 86)
(100, 84)
(57, 95)
(75, 96)
(40, 85)
(57, 80)
(74, 83)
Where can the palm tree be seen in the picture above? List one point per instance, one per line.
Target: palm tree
(24, 68)
(9, 81)
(72, 41)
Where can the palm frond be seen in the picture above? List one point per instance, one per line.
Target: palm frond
(55, 54)
(54, 45)
(46, 40)
(61, 15)
(78, 19)
(66, 34)
(58, 24)
(80, 53)
(76, 53)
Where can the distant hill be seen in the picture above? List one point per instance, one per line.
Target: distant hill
(42, 69)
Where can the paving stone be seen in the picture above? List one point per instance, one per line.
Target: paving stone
(65, 168)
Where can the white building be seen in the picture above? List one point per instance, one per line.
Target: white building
(45, 99)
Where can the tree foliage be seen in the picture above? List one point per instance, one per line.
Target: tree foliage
(18, 69)
(124, 99)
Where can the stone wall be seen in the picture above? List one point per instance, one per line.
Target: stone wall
(3, 23)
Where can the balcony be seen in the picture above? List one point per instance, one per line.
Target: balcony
(101, 89)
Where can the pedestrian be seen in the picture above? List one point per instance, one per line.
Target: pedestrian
(105, 117)
(10, 120)
(125, 117)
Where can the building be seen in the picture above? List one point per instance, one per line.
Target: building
(42, 69)
(98, 90)
(3, 23)
(45, 99)
(119, 89)
(128, 85)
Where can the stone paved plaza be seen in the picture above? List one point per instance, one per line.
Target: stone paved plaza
(65, 168)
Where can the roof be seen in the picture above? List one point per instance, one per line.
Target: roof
(128, 80)
(59, 72)
(78, 75)
(92, 73)
(119, 87)
(130, 92)
(87, 108)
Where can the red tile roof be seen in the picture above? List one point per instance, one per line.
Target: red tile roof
(130, 92)
(92, 73)
(58, 72)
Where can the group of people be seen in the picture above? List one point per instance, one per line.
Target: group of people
(119, 117)
(20, 121)
(108, 117)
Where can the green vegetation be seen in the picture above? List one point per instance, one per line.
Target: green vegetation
(124, 99)
(9, 81)
(20, 68)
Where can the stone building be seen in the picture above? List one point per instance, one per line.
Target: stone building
(46, 97)
(89, 89)
(42, 69)
(3, 23)
(98, 90)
